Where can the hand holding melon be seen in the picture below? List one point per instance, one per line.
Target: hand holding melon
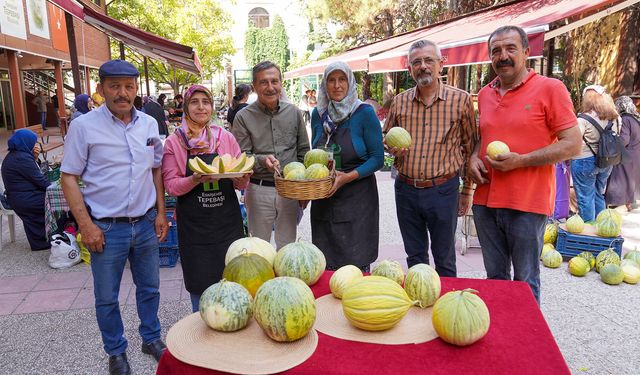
(496, 148)
(398, 140)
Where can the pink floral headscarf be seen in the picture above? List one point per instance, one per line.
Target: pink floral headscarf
(196, 142)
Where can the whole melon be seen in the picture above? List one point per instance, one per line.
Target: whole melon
(398, 137)
(389, 268)
(226, 306)
(291, 166)
(605, 257)
(285, 309)
(295, 174)
(302, 260)
(249, 270)
(496, 148)
(589, 258)
(253, 245)
(460, 317)
(579, 266)
(611, 274)
(422, 284)
(551, 233)
(545, 249)
(631, 271)
(575, 224)
(316, 172)
(316, 156)
(342, 278)
(633, 255)
(610, 213)
(375, 303)
(552, 259)
(608, 227)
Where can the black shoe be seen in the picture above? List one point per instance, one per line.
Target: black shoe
(119, 365)
(155, 348)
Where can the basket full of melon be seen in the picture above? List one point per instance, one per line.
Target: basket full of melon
(310, 180)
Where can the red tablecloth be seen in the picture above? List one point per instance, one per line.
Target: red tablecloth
(518, 342)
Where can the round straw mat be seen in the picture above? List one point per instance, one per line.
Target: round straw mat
(414, 328)
(247, 351)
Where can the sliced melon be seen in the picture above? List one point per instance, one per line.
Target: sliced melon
(193, 165)
(204, 166)
(239, 163)
(248, 164)
(221, 168)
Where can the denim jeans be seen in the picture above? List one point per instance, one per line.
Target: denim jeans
(195, 302)
(43, 119)
(435, 210)
(137, 243)
(590, 183)
(510, 236)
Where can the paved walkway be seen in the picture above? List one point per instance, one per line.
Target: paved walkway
(48, 326)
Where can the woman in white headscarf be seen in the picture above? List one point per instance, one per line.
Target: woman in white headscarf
(624, 182)
(345, 225)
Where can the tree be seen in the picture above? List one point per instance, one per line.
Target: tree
(203, 25)
(267, 44)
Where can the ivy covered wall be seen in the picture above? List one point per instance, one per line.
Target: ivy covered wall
(267, 44)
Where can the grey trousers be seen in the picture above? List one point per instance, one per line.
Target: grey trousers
(265, 208)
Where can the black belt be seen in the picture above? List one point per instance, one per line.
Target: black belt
(422, 184)
(262, 182)
(123, 219)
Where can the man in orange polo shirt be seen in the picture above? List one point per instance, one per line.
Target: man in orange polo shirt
(534, 116)
(442, 123)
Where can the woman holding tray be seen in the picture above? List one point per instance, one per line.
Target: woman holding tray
(345, 225)
(207, 210)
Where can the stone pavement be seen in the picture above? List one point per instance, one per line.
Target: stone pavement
(48, 326)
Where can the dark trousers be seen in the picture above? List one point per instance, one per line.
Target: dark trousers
(435, 210)
(510, 236)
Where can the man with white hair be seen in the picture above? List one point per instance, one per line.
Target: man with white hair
(441, 121)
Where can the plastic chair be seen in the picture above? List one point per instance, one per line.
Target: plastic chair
(11, 219)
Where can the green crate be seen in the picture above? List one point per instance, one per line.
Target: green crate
(53, 175)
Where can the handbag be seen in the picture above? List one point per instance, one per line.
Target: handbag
(64, 251)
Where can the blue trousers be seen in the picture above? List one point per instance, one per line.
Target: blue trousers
(43, 119)
(433, 210)
(137, 243)
(510, 236)
(590, 183)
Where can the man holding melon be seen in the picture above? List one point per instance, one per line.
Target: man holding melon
(273, 131)
(527, 124)
(440, 120)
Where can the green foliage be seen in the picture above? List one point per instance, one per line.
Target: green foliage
(267, 44)
(203, 25)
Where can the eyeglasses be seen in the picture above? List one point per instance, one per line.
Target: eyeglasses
(427, 61)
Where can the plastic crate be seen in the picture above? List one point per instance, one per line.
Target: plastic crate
(169, 257)
(172, 235)
(570, 245)
(170, 201)
(53, 174)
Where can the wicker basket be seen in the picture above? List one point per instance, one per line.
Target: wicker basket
(304, 190)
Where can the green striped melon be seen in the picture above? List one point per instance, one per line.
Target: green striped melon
(342, 278)
(589, 258)
(579, 266)
(605, 257)
(291, 166)
(249, 270)
(631, 271)
(226, 306)
(608, 227)
(551, 233)
(461, 317)
(609, 213)
(575, 224)
(375, 303)
(390, 269)
(545, 249)
(398, 137)
(611, 274)
(552, 259)
(302, 260)
(295, 174)
(316, 156)
(285, 309)
(422, 284)
(633, 255)
(316, 172)
(251, 245)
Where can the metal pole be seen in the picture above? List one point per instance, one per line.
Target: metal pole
(146, 75)
(73, 54)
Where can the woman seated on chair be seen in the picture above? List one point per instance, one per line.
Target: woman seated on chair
(25, 186)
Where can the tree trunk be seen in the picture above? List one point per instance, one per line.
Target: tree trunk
(366, 87)
(388, 85)
(627, 75)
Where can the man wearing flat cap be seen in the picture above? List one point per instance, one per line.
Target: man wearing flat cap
(116, 151)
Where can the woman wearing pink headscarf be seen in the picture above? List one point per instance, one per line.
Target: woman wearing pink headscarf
(207, 210)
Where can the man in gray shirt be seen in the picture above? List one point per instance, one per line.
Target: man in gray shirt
(274, 131)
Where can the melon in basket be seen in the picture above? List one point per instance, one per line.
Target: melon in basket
(295, 174)
(316, 156)
(316, 172)
(291, 166)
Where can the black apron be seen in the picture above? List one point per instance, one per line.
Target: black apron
(345, 226)
(209, 220)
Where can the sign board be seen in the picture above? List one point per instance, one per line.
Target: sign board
(37, 16)
(12, 19)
